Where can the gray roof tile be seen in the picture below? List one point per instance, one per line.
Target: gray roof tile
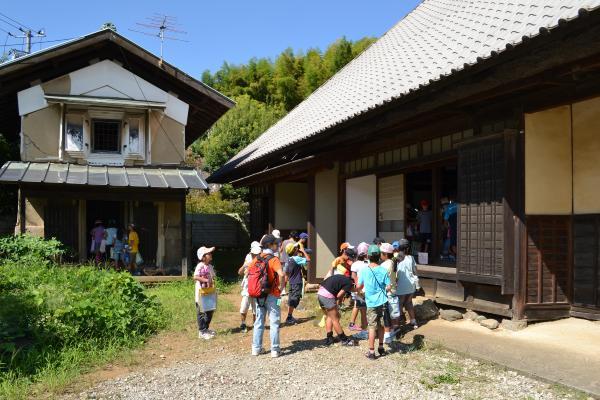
(74, 174)
(436, 39)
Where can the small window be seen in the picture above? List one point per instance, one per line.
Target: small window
(106, 136)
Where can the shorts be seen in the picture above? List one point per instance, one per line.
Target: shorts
(375, 316)
(294, 295)
(425, 238)
(394, 306)
(327, 303)
(358, 303)
(247, 302)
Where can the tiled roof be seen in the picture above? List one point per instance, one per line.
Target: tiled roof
(91, 175)
(436, 39)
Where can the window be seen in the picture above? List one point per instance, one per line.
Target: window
(106, 136)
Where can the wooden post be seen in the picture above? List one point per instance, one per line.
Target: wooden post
(82, 220)
(184, 242)
(22, 215)
(311, 230)
(436, 186)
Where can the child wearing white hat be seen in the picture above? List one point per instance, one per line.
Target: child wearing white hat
(247, 301)
(205, 292)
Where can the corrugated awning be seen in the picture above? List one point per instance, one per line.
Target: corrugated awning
(74, 174)
(104, 101)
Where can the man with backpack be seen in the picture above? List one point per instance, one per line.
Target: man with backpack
(265, 284)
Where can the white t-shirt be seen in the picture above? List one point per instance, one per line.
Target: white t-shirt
(358, 266)
(247, 262)
(389, 267)
(407, 280)
(197, 273)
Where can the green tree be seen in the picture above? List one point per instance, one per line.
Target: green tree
(337, 56)
(235, 130)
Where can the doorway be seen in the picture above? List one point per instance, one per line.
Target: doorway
(428, 193)
(106, 211)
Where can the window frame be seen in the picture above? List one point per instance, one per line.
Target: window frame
(119, 123)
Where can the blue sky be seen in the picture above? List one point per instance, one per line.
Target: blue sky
(218, 31)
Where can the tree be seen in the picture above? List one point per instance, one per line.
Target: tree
(235, 130)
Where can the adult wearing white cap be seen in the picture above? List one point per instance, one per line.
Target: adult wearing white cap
(206, 295)
(247, 301)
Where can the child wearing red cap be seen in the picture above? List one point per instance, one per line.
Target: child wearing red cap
(424, 218)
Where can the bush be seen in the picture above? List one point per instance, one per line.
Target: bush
(30, 249)
(52, 307)
(51, 315)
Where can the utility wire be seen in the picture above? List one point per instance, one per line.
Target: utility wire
(42, 41)
(10, 24)
(15, 21)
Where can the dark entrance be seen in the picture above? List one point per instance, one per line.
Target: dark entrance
(145, 218)
(436, 185)
(106, 211)
(62, 223)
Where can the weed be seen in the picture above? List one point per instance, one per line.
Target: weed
(446, 378)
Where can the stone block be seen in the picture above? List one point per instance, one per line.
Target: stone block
(451, 315)
(489, 323)
(514, 325)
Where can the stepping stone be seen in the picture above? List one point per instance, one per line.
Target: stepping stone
(490, 323)
(450, 315)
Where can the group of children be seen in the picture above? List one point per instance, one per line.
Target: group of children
(114, 246)
(381, 278)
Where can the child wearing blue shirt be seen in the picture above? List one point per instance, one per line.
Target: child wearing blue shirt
(376, 283)
(296, 263)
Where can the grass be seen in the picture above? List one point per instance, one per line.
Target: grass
(64, 366)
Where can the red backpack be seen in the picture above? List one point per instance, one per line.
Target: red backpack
(258, 278)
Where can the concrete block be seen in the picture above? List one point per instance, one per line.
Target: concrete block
(514, 325)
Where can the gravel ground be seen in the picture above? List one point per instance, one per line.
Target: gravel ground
(308, 370)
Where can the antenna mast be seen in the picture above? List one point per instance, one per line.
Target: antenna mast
(162, 23)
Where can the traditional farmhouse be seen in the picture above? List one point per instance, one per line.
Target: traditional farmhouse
(494, 105)
(103, 128)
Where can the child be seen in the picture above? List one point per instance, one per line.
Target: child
(359, 301)
(424, 219)
(247, 301)
(387, 257)
(118, 250)
(297, 260)
(331, 290)
(376, 282)
(206, 296)
(407, 281)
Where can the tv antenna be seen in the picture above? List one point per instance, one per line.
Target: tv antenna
(164, 24)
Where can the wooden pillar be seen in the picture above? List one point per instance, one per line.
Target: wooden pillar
(184, 240)
(436, 188)
(22, 216)
(82, 220)
(311, 230)
(271, 200)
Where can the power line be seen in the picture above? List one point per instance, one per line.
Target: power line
(9, 23)
(15, 21)
(43, 41)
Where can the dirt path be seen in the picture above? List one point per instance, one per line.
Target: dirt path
(180, 366)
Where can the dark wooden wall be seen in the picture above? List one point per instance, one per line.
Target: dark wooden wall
(61, 221)
(549, 266)
(481, 215)
(586, 269)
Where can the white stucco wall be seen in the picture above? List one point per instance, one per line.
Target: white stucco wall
(361, 209)
(326, 221)
(291, 205)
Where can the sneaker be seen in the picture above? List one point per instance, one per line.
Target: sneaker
(371, 356)
(211, 332)
(387, 340)
(291, 320)
(381, 351)
(354, 327)
(362, 335)
(257, 352)
(329, 341)
(243, 328)
(348, 343)
(206, 335)
(274, 353)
